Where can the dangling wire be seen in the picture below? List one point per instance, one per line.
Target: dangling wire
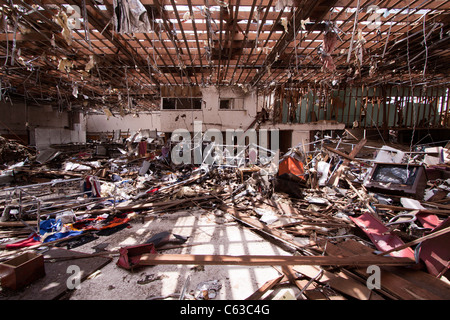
(86, 25)
(411, 92)
(295, 44)
(426, 47)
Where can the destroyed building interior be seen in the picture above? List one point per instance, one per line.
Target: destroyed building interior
(224, 150)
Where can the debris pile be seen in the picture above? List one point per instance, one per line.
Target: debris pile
(12, 152)
(339, 205)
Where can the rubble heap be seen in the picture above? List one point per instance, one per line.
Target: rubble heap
(337, 207)
(12, 151)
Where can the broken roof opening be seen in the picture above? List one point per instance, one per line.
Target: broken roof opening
(379, 34)
(352, 90)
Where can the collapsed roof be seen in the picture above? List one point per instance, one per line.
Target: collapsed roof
(81, 53)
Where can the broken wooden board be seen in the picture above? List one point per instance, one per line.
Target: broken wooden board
(323, 294)
(148, 205)
(434, 234)
(340, 282)
(54, 284)
(290, 274)
(271, 260)
(351, 156)
(310, 294)
(397, 208)
(17, 224)
(246, 219)
(268, 285)
(334, 179)
(396, 282)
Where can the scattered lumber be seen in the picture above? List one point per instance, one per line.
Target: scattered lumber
(393, 285)
(300, 217)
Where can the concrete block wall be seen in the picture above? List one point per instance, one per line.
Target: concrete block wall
(40, 125)
(211, 115)
(100, 123)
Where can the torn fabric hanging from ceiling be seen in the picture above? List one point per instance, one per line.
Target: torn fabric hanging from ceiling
(62, 20)
(329, 44)
(256, 43)
(130, 17)
(90, 64)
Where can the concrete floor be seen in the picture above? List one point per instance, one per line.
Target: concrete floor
(208, 233)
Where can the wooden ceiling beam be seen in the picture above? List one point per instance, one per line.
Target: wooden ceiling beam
(184, 37)
(220, 44)
(224, 45)
(257, 37)
(197, 41)
(173, 38)
(246, 40)
(230, 39)
(293, 27)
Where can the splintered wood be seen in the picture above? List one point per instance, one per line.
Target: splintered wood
(330, 225)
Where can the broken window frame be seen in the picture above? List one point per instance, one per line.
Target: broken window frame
(225, 104)
(233, 104)
(181, 103)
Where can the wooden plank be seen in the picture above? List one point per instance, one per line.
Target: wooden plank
(334, 179)
(310, 294)
(14, 224)
(428, 287)
(340, 153)
(265, 287)
(271, 260)
(357, 148)
(260, 226)
(340, 282)
(424, 281)
(417, 241)
(290, 274)
(314, 294)
(398, 208)
(147, 205)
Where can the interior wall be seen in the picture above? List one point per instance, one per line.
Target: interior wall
(99, 123)
(211, 115)
(40, 126)
(13, 121)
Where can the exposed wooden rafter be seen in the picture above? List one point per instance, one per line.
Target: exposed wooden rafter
(249, 43)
